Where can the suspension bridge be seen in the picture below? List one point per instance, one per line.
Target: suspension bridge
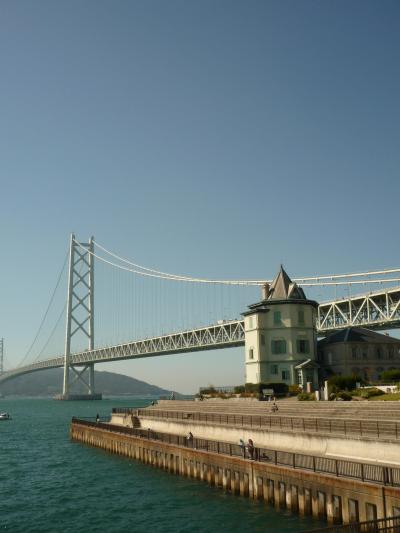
(377, 309)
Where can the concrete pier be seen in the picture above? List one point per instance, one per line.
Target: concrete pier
(327, 497)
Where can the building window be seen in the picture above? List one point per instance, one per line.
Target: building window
(299, 377)
(303, 346)
(353, 511)
(251, 353)
(262, 340)
(390, 352)
(278, 346)
(285, 375)
(379, 353)
(274, 369)
(354, 352)
(365, 355)
(277, 318)
(301, 318)
(371, 512)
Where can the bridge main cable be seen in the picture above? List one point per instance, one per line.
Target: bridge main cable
(341, 279)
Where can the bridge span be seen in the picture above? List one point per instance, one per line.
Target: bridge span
(225, 335)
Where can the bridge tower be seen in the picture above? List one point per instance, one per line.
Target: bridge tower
(80, 318)
(1, 356)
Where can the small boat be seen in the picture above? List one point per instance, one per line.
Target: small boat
(5, 416)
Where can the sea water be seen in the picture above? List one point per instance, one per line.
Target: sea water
(49, 484)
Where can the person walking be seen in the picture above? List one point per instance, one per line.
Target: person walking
(242, 447)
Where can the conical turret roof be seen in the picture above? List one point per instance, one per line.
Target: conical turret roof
(283, 288)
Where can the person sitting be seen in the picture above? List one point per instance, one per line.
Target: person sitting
(189, 439)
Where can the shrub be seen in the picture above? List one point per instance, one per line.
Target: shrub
(209, 390)
(338, 383)
(223, 395)
(294, 390)
(239, 389)
(391, 375)
(306, 396)
(369, 393)
(343, 395)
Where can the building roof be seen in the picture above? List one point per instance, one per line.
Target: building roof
(283, 288)
(356, 335)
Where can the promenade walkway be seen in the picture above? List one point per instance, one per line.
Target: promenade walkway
(362, 419)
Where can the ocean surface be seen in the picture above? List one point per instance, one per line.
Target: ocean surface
(49, 484)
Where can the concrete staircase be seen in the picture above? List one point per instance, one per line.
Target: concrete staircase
(389, 411)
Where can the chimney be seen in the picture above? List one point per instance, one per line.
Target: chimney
(265, 291)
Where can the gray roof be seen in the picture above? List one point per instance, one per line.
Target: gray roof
(281, 291)
(283, 288)
(356, 335)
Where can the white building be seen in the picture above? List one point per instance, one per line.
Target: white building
(280, 336)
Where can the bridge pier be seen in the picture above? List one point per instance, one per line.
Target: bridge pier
(78, 397)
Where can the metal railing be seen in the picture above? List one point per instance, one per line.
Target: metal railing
(378, 474)
(383, 525)
(349, 427)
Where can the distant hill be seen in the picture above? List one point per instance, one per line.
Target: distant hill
(49, 382)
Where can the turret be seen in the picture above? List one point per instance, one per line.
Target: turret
(280, 335)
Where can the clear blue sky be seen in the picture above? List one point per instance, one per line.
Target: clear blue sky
(208, 138)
